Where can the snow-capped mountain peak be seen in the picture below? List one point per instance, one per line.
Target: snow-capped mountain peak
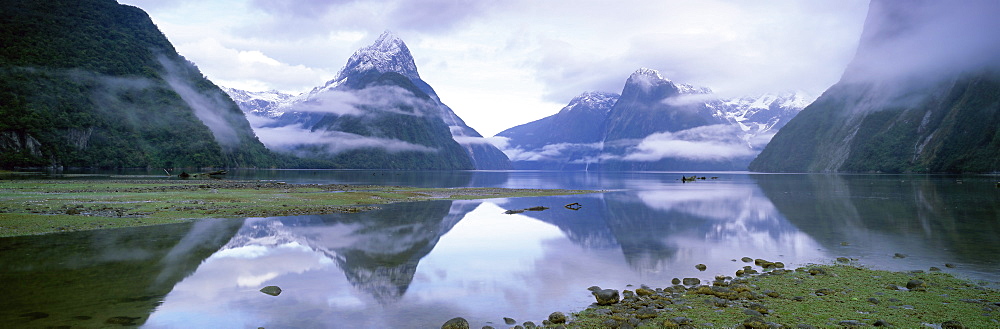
(387, 54)
(592, 100)
(648, 72)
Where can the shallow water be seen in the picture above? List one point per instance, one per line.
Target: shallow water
(417, 265)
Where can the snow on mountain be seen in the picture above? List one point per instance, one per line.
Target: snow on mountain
(592, 100)
(759, 117)
(655, 124)
(350, 94)
(260, 103)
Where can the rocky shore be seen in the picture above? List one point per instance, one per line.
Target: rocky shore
(766, 295)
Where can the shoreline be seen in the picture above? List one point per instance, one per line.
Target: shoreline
(30, 207)
(839, 295)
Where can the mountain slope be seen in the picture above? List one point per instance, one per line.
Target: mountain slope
(567, 140)
(902, 106)
(92, 83)
(376, 113)
(655, 124)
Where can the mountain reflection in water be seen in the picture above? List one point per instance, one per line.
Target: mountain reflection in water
(419, 264)
(416, 265)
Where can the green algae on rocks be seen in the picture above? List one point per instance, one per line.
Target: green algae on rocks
(45, 206)
(813, 296)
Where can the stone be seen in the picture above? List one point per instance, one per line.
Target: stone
(935, 269)
(675, 281)
(529, 325)
(606, 296)
(899, 255)
(843, 260)
(824, 292)
(456, 323)
(746, 259)
(691, 281)
(271, 290)
(752, 313)
(949, 265)
(758, 307)
(754, 322)
(881, 323)
(952, 324)
(509, 321)
(873, 300)
(851, 323)
(916, 285)
(701, 267)
(816, 271)
(645, 313)
(557, 317)
(681, 320)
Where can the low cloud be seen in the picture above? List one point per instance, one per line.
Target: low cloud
(213, 111)
(561, 152)
(467, 140)
(906, 42)
(293, 138)
(690, 99)
(368, 100)
(705, 143)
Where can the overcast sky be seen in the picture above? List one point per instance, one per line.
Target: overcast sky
(503, 63)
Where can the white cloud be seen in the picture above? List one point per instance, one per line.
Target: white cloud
(705, 143)
(290, 138)
(249, 69)
(564, 152)
(503, 64)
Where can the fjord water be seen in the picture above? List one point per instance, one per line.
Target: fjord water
(416, 265)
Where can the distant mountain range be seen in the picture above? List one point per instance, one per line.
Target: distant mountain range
(654, 124)
(921, 95)
(376, 113)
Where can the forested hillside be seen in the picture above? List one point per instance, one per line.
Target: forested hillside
(91, 83)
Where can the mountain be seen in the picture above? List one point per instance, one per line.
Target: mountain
(259, 103)
(376, 113)
(92, 83)
(922, 94)
(567, 140)
(655, 124)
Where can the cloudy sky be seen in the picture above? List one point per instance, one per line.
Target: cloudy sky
(503, 63)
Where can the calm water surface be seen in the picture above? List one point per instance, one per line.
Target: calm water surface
(417, 265)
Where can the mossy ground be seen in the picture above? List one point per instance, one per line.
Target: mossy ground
(790, 299)
(44, 206)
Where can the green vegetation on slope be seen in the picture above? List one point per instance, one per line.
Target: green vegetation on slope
(91, 83)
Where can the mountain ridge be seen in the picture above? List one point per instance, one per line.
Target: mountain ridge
(655, 124)
(350, 95)
(900, 107)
